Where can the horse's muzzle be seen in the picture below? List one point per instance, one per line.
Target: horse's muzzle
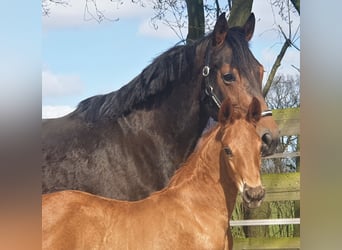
(269, 144)
(253, 196)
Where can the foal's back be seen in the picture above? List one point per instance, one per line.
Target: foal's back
(78, 220)
(71, 218)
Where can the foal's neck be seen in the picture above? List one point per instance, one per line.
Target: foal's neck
(204, 172)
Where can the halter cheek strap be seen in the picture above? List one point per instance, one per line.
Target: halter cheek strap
(209, 90)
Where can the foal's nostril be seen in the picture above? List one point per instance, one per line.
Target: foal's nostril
(253, 196)
(255, 193)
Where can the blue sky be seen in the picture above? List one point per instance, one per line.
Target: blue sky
(84, 58)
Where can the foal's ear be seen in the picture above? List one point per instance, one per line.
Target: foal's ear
(249, 27)
(254, 111)
(220, 30)
(226, 111)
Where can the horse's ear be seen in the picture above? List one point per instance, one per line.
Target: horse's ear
(249, 27)
(254, 111)
(220, 30)
(226, 111)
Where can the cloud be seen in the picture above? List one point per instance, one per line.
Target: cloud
(54, 85)
(55, 111)
(75, 15)
(79, 15)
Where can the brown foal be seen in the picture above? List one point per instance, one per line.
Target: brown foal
(192, 212)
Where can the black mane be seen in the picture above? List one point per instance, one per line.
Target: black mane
(166, 69)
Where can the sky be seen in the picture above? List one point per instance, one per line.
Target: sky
(82, 57)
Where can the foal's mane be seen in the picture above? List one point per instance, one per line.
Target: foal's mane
(174, 65)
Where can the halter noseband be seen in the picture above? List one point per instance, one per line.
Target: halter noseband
(209, 90)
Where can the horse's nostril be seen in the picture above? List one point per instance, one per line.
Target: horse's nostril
(267, 138)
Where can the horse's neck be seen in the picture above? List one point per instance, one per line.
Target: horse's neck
(203, 173)
(183, 108)
(179, 118)
(180, 105)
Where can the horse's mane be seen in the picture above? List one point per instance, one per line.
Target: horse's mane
(162, 74)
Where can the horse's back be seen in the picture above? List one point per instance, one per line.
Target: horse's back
(80, 156)
(118, 159)
(66, 147)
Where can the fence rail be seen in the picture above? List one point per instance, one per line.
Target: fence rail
(280, 187)
(288, 120)
(264, 222)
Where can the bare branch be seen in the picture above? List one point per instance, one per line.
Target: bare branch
(170, 12)
(91, 9)
(230, 5)
(47, 3)
(289, 40)
(217, 8)
(295, 67)
(275, 67)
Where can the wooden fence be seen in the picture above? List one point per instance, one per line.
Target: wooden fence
(279, 187)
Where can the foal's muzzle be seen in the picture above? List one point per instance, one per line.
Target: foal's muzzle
(253, 196)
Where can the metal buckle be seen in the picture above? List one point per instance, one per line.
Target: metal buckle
(209, 90)
(205, 71)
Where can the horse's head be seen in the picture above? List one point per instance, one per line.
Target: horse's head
(241, 150)
(232, 71)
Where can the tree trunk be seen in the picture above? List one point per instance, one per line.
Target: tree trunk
(241, 10)
(262, 212)
(195, 20)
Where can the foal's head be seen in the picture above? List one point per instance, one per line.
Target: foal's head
(241, 150)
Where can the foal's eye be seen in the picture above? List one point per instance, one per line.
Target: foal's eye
(228, 151)
(228, 78)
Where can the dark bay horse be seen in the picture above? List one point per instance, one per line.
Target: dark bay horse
(128, 143)
(192, 212)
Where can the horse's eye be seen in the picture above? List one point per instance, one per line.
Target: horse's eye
(228, 78)
(228, 151)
